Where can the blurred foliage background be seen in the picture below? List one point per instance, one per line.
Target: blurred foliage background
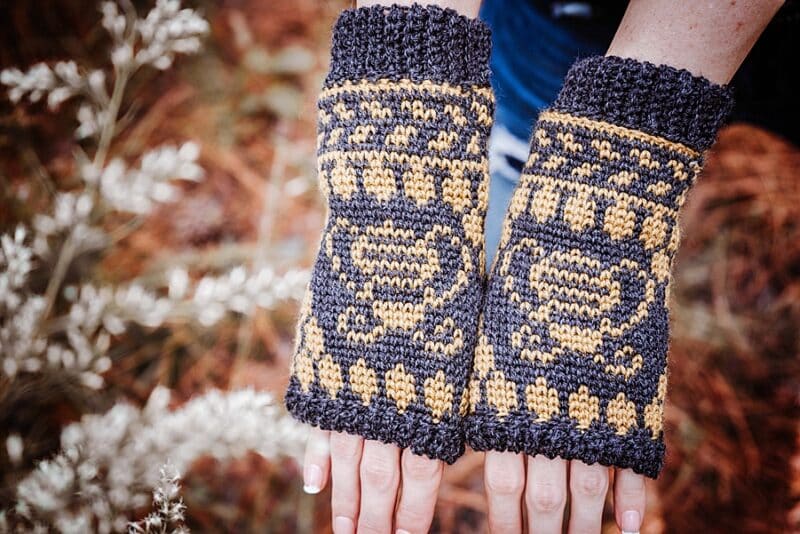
(248, 99)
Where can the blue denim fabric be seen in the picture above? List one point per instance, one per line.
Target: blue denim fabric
(504, 150)
(533, 46)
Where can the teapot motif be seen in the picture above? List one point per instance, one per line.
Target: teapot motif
(396, 273)
(574, 302)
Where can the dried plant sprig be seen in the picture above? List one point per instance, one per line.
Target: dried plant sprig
(166, 31)
(168, 509)
(56, 84)
(16, 262)
(74, 225)
(138, 190)
(108, 463)
(240, 290)
(97, 313)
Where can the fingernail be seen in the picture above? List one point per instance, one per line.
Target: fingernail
(343, 525)
(631, 522)
(312, 478)
(401, 531)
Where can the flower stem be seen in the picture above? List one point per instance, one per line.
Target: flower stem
(69, 248)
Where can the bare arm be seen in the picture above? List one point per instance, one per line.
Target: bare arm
(376, 486)
(707, 38)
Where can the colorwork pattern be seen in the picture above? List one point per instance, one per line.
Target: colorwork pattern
(572, 353)
(388, 327)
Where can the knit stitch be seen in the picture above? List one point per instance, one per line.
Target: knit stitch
(388, 326)
(572, 353)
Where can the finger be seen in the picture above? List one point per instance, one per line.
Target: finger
(504, 478)
(420, 484)
(630, 498)
(317, 463)
(588, 485)
(345, 459)
(546, 494)
(380, 478)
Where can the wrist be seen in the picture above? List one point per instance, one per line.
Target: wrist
(656, 99)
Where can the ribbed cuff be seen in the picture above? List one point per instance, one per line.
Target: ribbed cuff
(417, 43)
(559, 438)
(659, 100)
(380, 422)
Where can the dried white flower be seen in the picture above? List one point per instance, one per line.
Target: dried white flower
(71, 216)
(177, 283)
(138, 190)
(91, 121)
(166, 31)
(21, 345)
(113, 21)
(108, 463)
(135, 303)
(169, 509)
(57, 84)
(16, 262)
(69, 210)
(241, 292)
(106, 466)
(15, 447)
(35, 83)
(122, 55)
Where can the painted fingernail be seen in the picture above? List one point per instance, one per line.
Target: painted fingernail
(631, 522)
(312, 478)
(343, 525)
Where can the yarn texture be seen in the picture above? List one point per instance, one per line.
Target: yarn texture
(572, 353)
(387, 329)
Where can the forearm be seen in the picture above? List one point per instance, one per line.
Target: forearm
(709, 39)
(468, 8)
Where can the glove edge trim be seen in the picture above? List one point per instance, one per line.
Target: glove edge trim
(519, 433)
(438, 441)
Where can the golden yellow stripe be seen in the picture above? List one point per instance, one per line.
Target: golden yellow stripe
(655, 207)
(621, 131)
(383, 85)
(384, 156)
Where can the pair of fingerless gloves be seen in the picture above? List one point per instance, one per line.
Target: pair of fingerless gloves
(563, 350)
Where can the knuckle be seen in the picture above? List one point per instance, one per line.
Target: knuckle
(411, 519)
(344, 504)
(343, 446)
(632, 487)
(420, 468)
(503, 482)
(367, 526)
(503, 524)
(378, 472)
(591, 483)
(632, 493)
(546, 498)
(344, 509)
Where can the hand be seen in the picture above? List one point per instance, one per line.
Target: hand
(546, 487)
(366, 476)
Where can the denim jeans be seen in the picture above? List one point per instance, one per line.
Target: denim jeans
(533, 46)
(534, 43)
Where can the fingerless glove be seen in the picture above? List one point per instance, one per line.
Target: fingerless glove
(387, 328)
(572, 353)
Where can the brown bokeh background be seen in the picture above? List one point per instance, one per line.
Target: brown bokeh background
(249, 99)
